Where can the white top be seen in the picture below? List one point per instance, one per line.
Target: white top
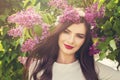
(70, 71)
(73, 71)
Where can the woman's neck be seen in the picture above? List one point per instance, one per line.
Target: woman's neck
(66, 59)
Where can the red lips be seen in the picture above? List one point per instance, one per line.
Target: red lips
(68, 46)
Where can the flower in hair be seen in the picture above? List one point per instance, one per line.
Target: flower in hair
(90, 14)
(70, 15)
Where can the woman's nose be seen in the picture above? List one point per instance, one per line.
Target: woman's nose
(71, 39)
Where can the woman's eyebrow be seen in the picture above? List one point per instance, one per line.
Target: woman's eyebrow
(76, 33)
(68, 30)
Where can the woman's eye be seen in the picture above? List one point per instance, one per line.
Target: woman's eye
(80, 36)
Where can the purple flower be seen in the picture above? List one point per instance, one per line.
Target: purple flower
(94, 34)
(70, 15)
(92, 13)
(93, 50)
(26, 18)
(101, 12)
(45, 31)
(62, 4)
(22, 60)
(103, 38)
(28, 45)
(16, 32)
(90, 18)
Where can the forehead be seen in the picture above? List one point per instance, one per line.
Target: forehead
(77, 28)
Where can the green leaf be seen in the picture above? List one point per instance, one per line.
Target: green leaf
(33, 2)
(113, 54)
(37, 6)
(111, 19)
(5, 29)
(5, 45)
(26, 2)
(47, 17)
(116, 26)
(21, 40)
(38, 30)
(26, 34)
(100, 3)
(0, 68)
(111, 4)
(113, 44)
(118, 9)
(102, 55)
(116, 1)
(44, 4)
(3, 17)
(51, 18)
(108, 32)
(104, 45)
(13, 56)
(107, 25)
(15, 43)
(1, 47)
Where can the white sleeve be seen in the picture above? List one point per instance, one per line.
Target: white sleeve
(106, 72)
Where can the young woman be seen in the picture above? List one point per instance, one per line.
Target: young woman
(64, 55)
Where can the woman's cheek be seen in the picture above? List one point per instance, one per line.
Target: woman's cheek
(65, 36)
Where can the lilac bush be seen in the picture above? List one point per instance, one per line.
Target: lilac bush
(26, 18)
(25, 21)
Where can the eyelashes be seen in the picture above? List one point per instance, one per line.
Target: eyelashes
(82, 36)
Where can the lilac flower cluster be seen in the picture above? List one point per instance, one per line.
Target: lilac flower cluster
(92, 13)
(16, 32)
(93, 50)
(45, 31)
(26, 18)
(93, 33)
(103, 38)
(22, 60)
(28, 45)
(62, 4)
(70, 15)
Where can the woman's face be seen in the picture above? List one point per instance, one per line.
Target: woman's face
(72, 38)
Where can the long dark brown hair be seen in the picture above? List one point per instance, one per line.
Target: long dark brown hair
(46, 52)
